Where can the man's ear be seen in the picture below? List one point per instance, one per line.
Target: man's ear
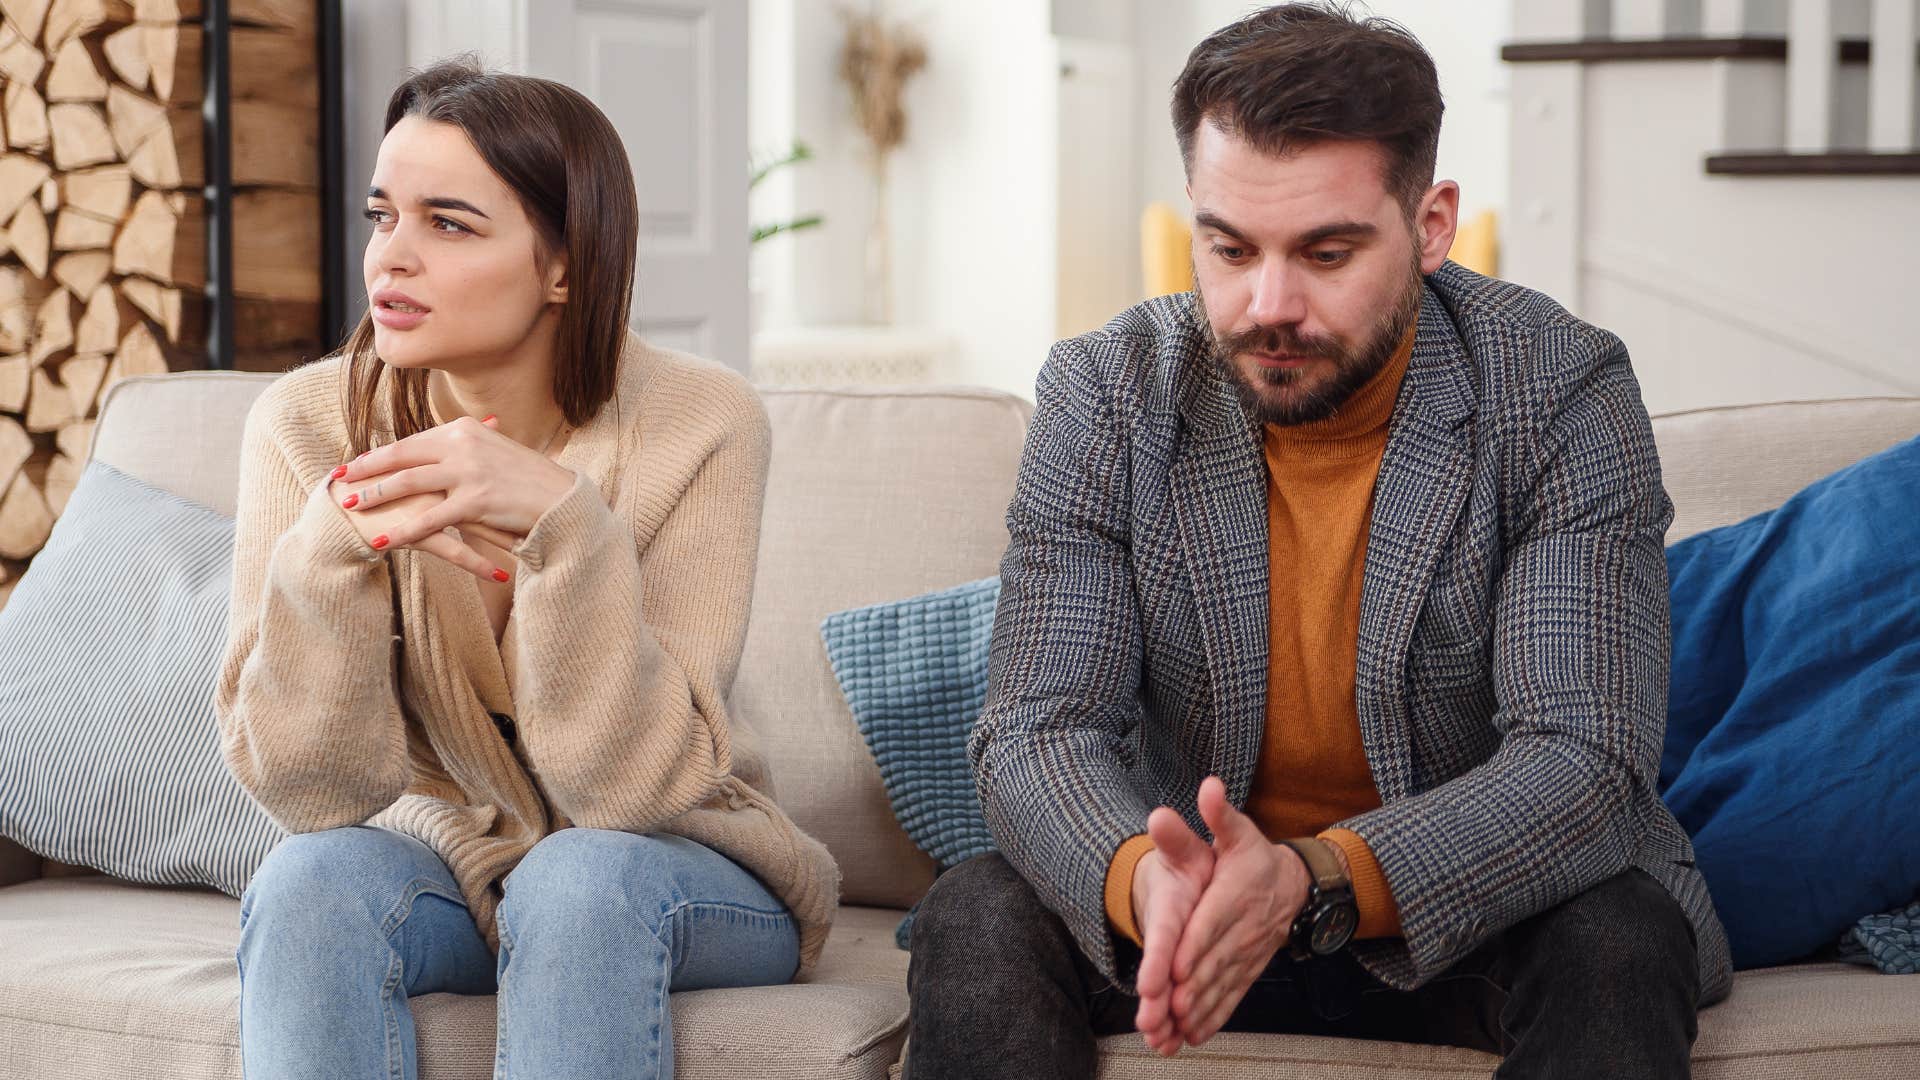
(1435, 222)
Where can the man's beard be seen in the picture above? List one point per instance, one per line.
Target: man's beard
(1261, 392)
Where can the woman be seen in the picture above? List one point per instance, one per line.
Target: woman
(490, 589)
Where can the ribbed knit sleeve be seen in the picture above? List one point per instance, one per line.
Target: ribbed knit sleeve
(632, 732)
(309, 721)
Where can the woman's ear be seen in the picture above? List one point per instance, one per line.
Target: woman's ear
(557, 282)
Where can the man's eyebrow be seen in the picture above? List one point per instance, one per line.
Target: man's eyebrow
(1217, 223)
(1358, 230)
(438, 202)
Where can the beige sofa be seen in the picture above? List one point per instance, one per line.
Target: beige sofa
(875, 495)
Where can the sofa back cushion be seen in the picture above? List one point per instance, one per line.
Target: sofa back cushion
(180, 432)
(874, 495)
(1728, 464)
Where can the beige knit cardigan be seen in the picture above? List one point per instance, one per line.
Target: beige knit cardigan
(629, 613)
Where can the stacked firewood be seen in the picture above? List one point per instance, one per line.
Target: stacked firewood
(103, 224)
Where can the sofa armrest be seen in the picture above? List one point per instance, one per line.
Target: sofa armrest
(17, 864)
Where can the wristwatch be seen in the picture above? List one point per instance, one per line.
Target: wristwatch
(1329, 917)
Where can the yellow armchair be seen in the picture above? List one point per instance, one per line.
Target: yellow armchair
(1166, 250)
(1476, 244)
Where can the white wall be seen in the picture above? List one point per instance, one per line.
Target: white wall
(970, 192)
(973, 200)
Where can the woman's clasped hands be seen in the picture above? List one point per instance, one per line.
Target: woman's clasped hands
(434, 491)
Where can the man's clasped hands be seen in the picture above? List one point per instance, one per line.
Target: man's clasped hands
(1211, 918)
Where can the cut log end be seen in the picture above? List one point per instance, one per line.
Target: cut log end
(81, 137)
(25, 519)
(82, 271)
(49, 407)
(145, 243)
(63, 475)
(74, 76)
(29, 238)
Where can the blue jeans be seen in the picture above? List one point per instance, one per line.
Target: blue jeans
(339, 928)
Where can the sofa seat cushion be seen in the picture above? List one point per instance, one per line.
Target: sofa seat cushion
(1805, 1022)
(102, 978)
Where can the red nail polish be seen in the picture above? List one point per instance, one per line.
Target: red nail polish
(378, 542)
(339, 471)
(350, 501)
(501, 575)
(486, 418)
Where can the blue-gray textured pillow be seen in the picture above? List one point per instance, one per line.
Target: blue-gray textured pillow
(914, 673)
(109, 751)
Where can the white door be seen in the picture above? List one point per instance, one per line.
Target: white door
(672, 76)
(1099, 210)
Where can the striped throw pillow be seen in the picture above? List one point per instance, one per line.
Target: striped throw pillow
(109, 752)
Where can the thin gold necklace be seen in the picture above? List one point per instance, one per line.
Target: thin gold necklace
(434, 411)
(562, 426)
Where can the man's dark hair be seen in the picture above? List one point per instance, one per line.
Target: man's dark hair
(1297, 74)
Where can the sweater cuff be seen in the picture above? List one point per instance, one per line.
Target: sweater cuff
(324, 522)
(1379, 915)
(1119, 894)
(580, 514)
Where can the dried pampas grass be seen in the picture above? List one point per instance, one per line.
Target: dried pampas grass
(876, 60)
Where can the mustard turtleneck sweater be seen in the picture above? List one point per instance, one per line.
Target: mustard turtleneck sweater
(1313, 768)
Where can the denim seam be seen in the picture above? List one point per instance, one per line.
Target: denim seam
(396, 970)
(500, 993)
(397, 917)
(662, 1023)
(675, 908)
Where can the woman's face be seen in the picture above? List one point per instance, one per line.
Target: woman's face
(453, 270)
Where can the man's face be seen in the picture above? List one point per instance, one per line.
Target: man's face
(1308, 267)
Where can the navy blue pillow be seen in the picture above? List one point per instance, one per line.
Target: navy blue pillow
(1793, 728)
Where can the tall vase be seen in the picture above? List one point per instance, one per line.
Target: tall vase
(878, 300)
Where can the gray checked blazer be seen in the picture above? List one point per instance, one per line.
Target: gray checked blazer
(1513, 649)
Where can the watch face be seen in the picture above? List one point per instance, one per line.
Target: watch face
(1333, 928)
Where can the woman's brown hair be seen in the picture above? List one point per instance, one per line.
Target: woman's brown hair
(563, 159)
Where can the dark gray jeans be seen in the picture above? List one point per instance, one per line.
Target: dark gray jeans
(1605, 985)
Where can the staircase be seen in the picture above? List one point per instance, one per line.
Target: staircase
(1732, 186)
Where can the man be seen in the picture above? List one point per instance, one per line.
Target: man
(1350, 563)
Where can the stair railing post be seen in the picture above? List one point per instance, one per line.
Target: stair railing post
(1812, 51)
(1895, 37)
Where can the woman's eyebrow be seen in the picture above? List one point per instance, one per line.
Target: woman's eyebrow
(438, 202)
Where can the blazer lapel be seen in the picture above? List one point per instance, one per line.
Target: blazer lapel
(1219, 487)
(1424, 478)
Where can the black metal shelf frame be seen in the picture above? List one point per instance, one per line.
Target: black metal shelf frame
(216, 113)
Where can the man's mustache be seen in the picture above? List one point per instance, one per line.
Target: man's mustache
(1280, 339)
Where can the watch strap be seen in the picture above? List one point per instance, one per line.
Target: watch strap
(1323, 866)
